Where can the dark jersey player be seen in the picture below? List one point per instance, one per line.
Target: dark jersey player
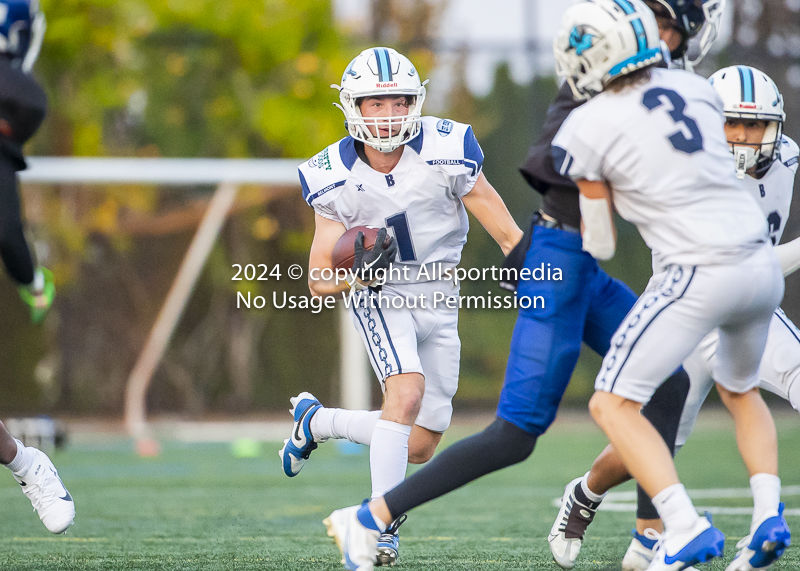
(22, 109)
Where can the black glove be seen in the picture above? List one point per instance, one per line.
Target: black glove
(369, 265)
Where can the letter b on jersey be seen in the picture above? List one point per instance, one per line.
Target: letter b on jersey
(389, 180)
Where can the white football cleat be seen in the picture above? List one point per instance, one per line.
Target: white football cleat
(566, 535)
(358, 544)
(47, 493)
(641, 551)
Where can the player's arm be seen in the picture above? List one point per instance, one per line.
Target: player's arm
(486, 205)
(789, 256)
(597, 223)
(326, 233)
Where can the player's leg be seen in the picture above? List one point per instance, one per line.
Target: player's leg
(388, 452)
(780, 365)
(642, 548)
(439, 350)
(39, 480)
(661, 330)
(611, 302)
(8, 446)
(390, 341)
(740, 342)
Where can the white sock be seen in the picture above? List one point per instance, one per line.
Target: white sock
(766, 490)
(388, 456)
(353, 425)
(589, 493)
(22, 461)
(676, 509)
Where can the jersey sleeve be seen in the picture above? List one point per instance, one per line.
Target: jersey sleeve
(473, 161)
(453, 149)
(322, 178)
(325, 210)
(789, 153)
(576, 150)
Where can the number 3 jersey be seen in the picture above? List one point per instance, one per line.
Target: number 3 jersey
(661, 147)
(419, 202)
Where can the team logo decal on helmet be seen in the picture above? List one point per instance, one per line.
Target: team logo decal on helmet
(604, 39)
(381, 71)
(749, 93)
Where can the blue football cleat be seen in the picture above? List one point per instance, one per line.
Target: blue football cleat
(698, 545)
(298, 448)
(762, 548)
(389, 544)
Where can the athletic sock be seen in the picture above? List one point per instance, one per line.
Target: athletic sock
(676, 509)
(370, 520)
(388, 455)
(766, 490)
(586, 496)
(22, 461)
(353, 425)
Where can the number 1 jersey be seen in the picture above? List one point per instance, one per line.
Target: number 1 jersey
(419, 202)
(661, 147)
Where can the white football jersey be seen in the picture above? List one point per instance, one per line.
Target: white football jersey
(419, 202)
(773, 191)
(662, 149)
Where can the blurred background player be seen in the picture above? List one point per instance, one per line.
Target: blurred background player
(587, 307)
(767, 163)
(22, 108)
(651, 144)
(417, 176)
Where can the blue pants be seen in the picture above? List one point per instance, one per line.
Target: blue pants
(586, 305)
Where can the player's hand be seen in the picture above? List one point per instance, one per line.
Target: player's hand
(370, 265)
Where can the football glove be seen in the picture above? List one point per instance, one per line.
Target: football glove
(39, 294)
(370, 265)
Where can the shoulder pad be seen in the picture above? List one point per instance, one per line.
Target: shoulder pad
(326, 171)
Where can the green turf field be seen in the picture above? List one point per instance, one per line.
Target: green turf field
(196, 507)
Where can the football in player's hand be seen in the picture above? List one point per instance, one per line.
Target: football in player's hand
(343, 251)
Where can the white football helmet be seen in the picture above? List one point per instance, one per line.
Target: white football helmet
(601, 40)
(381, 71)
(748, 93)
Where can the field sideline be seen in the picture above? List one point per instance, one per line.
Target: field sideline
(197, 507)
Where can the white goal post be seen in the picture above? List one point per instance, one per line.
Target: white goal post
(227, 175)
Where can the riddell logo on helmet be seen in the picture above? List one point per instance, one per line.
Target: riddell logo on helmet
(748, 106)
(386, 84)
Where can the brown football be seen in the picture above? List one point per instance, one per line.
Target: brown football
(343, 251)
